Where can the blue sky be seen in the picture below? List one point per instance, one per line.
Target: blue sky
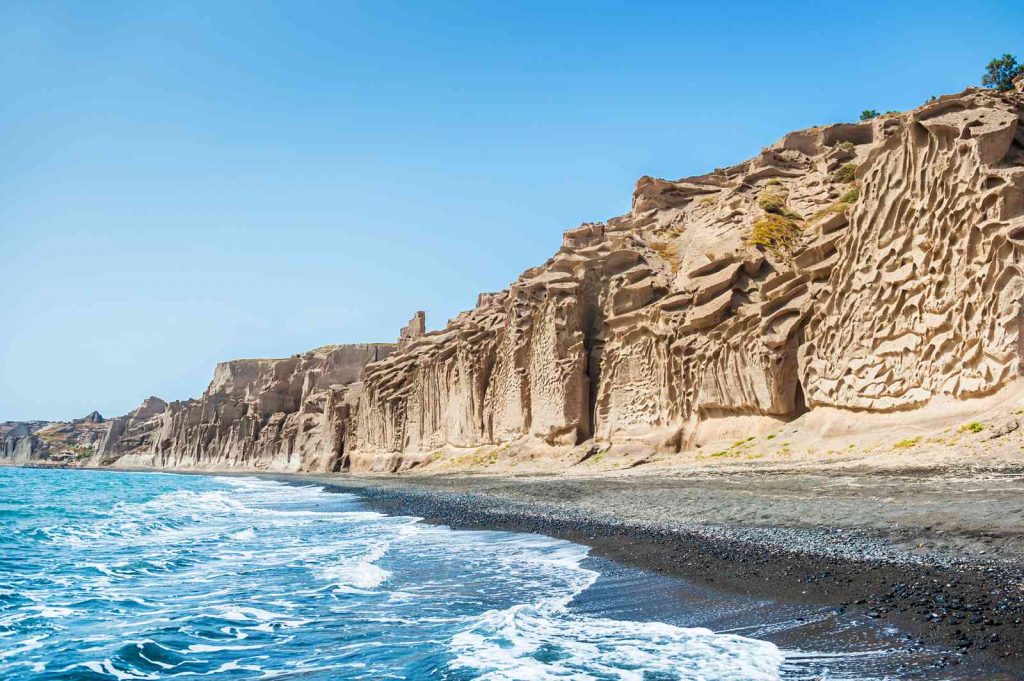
(185, 183)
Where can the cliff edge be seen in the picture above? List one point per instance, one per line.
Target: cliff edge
(846, 271)
(870, 267)
(285, 415)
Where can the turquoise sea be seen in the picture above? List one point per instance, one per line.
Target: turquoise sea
(109, 575)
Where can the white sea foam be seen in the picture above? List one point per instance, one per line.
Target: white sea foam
(24, 646)
(249, 614)
(248, 534)
(544, 640)
(360, 571)
(263, 562)
(360, 574)
(206, 648)
(106, 668)
(53, 612)
(231, 667)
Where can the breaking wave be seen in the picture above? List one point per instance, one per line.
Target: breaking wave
(142, 576)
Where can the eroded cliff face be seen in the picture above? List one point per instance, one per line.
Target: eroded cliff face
(871, 267)
(867, 267)
(54, 443)
(257, 414)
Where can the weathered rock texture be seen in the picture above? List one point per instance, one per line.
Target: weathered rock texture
(54, 443)
(257, 414)
(416, 327)
(872, 266)
(266, 414)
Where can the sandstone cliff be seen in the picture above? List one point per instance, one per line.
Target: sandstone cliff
(257, 414)
(53, 443)
(864, 267)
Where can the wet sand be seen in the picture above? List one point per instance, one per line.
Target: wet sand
(929, 560)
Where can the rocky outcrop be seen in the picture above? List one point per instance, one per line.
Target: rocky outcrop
(925, 295)
(857, 268)
(133, 433)
(864, 267)
(58, 443)
(416, 327)
(257, 414)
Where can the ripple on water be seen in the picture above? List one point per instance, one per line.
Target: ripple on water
(152, 576)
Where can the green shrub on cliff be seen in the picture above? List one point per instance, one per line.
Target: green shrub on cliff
(777, 234)
(847, 173)
(851, 196)
(999, 73)
(771, 203)
(772, 199)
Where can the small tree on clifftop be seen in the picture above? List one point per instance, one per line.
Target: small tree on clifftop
(999, 73)
(868, 114)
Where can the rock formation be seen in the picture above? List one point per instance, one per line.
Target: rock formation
(416, 327)
(52, 443)
(871, 266)
(258, 414)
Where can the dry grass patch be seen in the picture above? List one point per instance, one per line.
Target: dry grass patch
(669, 252)
(777, 234)
(846, 173)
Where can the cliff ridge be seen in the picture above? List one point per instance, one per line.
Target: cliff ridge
(864, 269)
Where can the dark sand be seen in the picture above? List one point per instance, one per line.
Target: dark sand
(928, 565)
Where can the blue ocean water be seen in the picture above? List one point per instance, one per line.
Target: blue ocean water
(151, 576)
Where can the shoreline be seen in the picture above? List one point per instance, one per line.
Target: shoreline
(824, 540)
(972, 610)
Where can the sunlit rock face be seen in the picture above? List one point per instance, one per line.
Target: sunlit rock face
(257, 414)
(56, 443)
(869, 267)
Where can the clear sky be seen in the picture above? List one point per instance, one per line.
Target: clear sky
(185, 183)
